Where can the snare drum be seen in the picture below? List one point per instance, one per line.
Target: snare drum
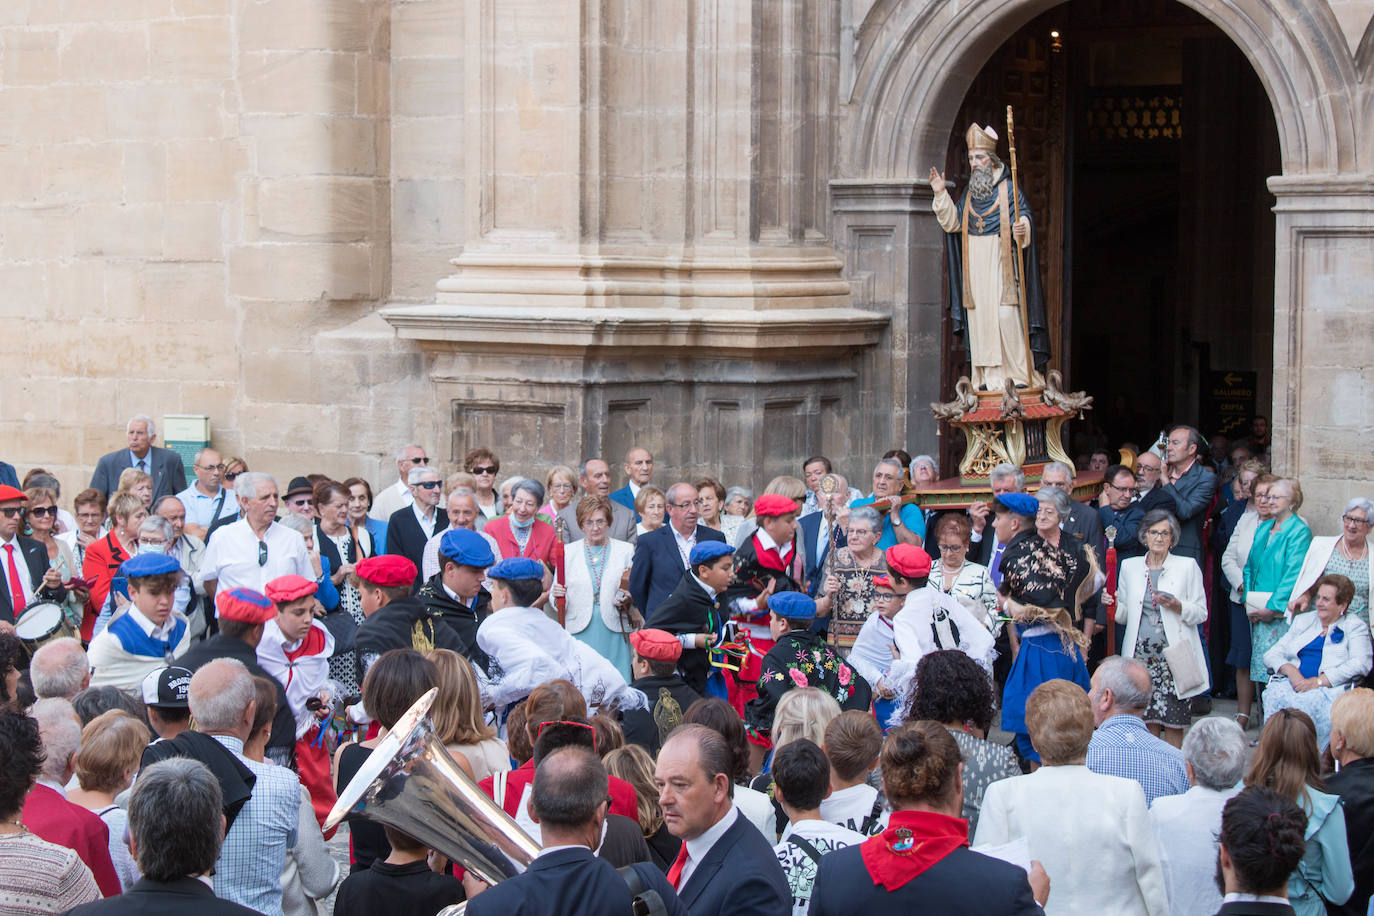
(41, 622)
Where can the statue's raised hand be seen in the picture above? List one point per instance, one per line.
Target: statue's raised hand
(937, 181)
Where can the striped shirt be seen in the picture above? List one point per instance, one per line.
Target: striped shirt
(254, 852)
(38, 877)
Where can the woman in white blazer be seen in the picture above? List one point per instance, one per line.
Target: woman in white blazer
(594, 566)
(1160, 599)
(1325, 652)
(1345, 554)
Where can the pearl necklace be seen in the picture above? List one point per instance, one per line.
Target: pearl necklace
(1345, 552)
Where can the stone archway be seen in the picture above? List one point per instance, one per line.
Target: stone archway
(911, 66)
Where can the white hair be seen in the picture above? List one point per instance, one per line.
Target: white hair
(59, 668)
(892, 461)
(1360, 502)
(156, 524)
(298, 523)
(143, 417)
(1216, 748)
(61, 733)
(246, 484)
(1007, 469)
(419, 473)
(401, 453)
(223, 710)
(1114, 674)
(925, 459)
(1060, 466)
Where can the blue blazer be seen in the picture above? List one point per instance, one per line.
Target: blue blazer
(657, 566)
(626, 497)
(963, 883)
(808, 526)
(164, 465)
(571, 882)
(739, 876)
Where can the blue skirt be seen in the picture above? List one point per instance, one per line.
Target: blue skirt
(611, 645)
(1042, 657)
(1238, 653)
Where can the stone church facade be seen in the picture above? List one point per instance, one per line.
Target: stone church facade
(558, 228)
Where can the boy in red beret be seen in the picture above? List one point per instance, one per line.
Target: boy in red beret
(395, 618)
(656, 655)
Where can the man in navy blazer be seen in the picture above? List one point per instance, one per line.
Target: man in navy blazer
(639, 470)
(725, 866)
(661, 555)
(568, 802)
(163, 465)
(1192, 486)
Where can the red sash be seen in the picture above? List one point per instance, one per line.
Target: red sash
(313, 644)
(772, 558)
(912, 843)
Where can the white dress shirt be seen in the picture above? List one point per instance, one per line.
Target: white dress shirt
(22, 566)
(1186, 828)
(430, 525)
(699, 847)
(231, 559)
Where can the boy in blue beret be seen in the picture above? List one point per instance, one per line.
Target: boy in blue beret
(801, 658)
(692, 612)
(147, 634)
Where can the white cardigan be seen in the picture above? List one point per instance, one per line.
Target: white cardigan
(1238, 551)
(1180, 578)
(1091, 832)
(1318, 555)
(1342, 662)
(580, 584)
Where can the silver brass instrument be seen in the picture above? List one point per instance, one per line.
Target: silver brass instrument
(411, 783)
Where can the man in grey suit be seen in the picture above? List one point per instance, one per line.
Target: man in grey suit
(595, 477)
(1192, 485)
(163, 465)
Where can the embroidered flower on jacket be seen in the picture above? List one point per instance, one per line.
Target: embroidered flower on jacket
(798, 678)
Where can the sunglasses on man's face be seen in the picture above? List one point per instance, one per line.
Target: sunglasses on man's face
(10, 511)
(429, 484)
(419, 461)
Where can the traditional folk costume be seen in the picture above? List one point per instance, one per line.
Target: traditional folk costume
(132, 645)
(853, 602)
(800, 658)
(692, 608)
(302, 668)
(404, 623)
(669, 696)
(757, 561)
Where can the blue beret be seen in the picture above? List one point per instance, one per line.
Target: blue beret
(793, 605)
(1020, 503)
(707, 551)
(517, 568)
(462, 545)
(149, 564)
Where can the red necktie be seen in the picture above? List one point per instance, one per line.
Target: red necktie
(17, 601)
(675, 873)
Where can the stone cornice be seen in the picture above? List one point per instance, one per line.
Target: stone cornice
(733, 333)
(1298, 193)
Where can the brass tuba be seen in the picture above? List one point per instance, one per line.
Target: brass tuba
(411, 783)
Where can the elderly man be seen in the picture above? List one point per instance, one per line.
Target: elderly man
(987, 551)
(188, 550)
(817, 530)
(48, 814)
(462, 513)
(255, 549)
(725, 865)
(1117, 509)
(1122, 745)
(455, 593)
(25, 573)
(59, 669)
(411, 527)
(162, 465)
(639, 470)
(176, 831)
(903, 524)
(568, 801)
(595, 477)
(1192, 486)
(207, 500)
(250, 862)
(1186, 826)
(662, 555)
(399, 494)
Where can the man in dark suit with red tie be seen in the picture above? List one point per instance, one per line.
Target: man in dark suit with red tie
(24, 570)
(725, 866)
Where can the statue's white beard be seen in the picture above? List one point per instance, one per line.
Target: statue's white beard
(982, 183)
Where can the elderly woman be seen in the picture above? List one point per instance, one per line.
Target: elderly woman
(924, 471)
(561, 485)
(132, 480)
(739, 502)
(1070, 815)
(368, 532)
(1161, 601)
(1325, 652)
(483, 465)
(1345, 554)
(518, 533)
(847, 594)
(1352, 748)
(651, 506)
(599, 613)
(710, 502)
(968, 583)
(103, 558)
(1288, 762)
(1272, 570)
(953, 689)
(921, 775)
(340, 546)
(40, 520)
(111, 747)
(1256, 512)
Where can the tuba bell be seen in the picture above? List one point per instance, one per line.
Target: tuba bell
(411, 783)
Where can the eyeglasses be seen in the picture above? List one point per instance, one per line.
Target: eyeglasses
(430, 484)
(230, 477)
(952, 548)
(1123, 489)
(419, 461)
(488, 469)
(595, 523)
(11, 511)
(1146, 469)
(686, 505)
(262, 553)
(1354, 521)
(1159, 534)
(150, 542)
(212, 467)
(42, 511)
(562, 486)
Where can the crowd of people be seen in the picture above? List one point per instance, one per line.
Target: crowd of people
(689, 698)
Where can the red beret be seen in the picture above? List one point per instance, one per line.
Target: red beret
(285, 589)
(771, 505)
(387, 571)
(882, 582)
(908, 560)
(8, 493)
(245, 606)
(656, 645)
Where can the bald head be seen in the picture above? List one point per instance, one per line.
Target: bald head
(60, 669)
(221, 698)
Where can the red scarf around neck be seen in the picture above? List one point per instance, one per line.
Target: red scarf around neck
(772, 558)
(912, 843)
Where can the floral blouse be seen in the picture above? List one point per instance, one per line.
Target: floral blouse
(802, 659)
